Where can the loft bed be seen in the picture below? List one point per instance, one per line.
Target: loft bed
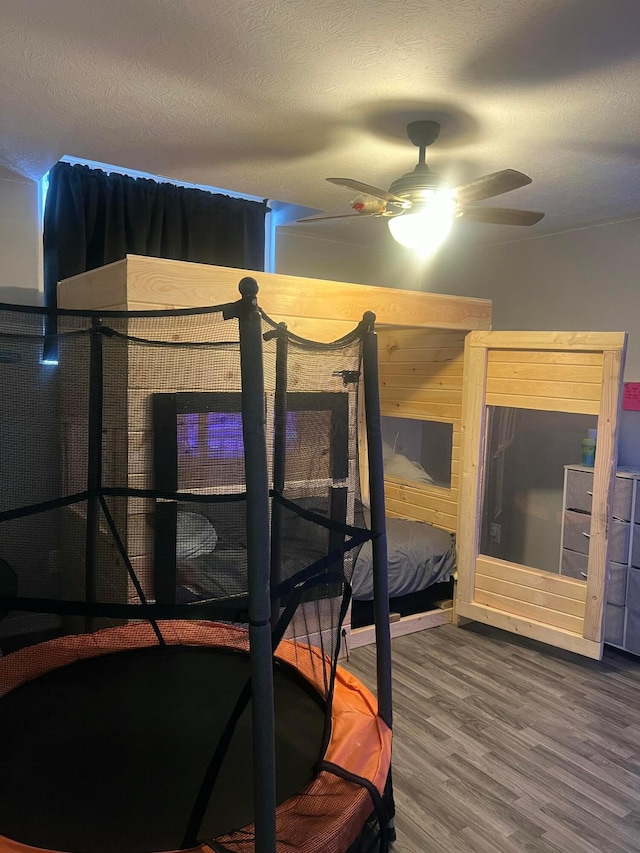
(421, 348)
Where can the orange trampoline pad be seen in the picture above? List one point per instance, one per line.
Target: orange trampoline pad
(328, 813)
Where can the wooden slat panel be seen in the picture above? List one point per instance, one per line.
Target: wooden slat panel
(154, 280)
(603, 481)
(585, 341)
(547, 404)
(422, 381)
(534, 578)
(438, 519)
(544, 615)
(139, 536)
(140, 451)
(422, 394)
(163, 369)
(575, 357)
(143, 567)
(446, 504)
(436, 356)
(406, 625)
(317, 330)
(541, 598)
(418, 339)
(563, 639)
(545, 372)
(537, 388)
(417, 408)
(448, 370)
(473, 435)
(104, 287)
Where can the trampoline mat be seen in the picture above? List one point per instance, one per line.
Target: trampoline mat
(107, 754)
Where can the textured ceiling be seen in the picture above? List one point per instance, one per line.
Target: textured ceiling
(269, 97)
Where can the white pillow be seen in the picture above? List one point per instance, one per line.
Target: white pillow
(195, 535)
(397, 465)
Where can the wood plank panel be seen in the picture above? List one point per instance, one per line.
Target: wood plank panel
(418, 408)
(538, 388)
(418, 339)
(154, 280)
(365, 636)
(542, 598)
(163, 369)
(418, 510)
(515, 607)
(426, 394)
(445, 521)
(139, 535)
(538, 357)
(444, 355)
(603, 481)
(449, 370)
(473, 437)
(585, 341)
(432, 496)
(545, 372)
(421, 381)
(143, 567)
(104, 287)
(324, 331)
(535, 578)
(547, 404)
(568, 640)
(140, 451)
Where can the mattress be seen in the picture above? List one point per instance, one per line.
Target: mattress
(418, 556)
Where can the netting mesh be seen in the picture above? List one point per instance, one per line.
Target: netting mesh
(123, 486)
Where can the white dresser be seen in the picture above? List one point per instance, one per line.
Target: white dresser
(622, 620)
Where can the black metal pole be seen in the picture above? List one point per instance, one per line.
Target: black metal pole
(94, 468)
(279, 461)
(258, 568)
(378, 525)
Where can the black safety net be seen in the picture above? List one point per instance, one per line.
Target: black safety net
(124, 535)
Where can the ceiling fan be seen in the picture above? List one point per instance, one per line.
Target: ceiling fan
(421, 208)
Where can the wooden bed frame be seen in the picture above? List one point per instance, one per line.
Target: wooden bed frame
(421, 359)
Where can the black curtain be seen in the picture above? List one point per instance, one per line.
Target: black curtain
(92, 218)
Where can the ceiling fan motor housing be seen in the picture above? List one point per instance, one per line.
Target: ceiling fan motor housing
(413, 184)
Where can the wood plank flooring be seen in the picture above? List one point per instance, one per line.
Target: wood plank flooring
(504, 745)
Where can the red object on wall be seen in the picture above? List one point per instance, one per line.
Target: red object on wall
(631, 397)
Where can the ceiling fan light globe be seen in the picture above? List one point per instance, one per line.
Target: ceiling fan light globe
(426, 226)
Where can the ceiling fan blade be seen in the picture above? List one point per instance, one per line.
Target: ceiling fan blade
(340, 216)
(491, 185)
(367, 189)
(500, 215)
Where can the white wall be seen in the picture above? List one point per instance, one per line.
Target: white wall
(299, 252)
(20, 242)
(588, 279)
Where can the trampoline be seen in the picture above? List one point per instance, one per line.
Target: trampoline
(225, 723)
(114, 721)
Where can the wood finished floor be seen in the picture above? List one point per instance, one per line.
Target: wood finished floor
(502, 745)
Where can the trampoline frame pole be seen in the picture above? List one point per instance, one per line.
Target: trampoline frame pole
(94, 466)
(378, 518)
(258, 566)
(279, 461)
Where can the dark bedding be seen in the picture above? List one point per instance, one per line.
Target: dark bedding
(419, 555)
